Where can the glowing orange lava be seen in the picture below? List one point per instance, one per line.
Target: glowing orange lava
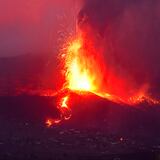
(64, 102)
(85, 71)
(78, 75)
(50, 122)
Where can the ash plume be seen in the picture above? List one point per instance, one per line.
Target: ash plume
(128, 32)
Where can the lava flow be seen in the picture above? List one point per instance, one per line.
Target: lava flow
(84, 71)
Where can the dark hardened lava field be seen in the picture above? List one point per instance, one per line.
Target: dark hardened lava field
(98, 129)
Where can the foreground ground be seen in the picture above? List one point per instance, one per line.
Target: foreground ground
(98, 130)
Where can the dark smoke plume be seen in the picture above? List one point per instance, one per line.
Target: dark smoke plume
(128, 30)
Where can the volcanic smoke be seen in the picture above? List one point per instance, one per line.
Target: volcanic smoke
(85, 71)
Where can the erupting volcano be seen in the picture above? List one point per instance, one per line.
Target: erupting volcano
(85, 72)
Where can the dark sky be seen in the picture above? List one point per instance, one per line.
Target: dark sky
(32, 26)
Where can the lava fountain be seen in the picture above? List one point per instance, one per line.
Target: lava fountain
(85, 71)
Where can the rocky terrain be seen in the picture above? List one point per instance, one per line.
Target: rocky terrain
(98, 129)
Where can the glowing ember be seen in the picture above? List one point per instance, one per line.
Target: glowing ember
(50, 122)
(64, 108)
(64, 102)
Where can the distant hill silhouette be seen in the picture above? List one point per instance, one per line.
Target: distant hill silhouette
(26, 71)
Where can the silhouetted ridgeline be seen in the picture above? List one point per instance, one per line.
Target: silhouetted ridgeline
(25, 71)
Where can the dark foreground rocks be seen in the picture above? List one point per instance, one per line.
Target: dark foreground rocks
(97, 130)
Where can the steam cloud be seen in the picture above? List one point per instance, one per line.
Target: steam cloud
(129, 33)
